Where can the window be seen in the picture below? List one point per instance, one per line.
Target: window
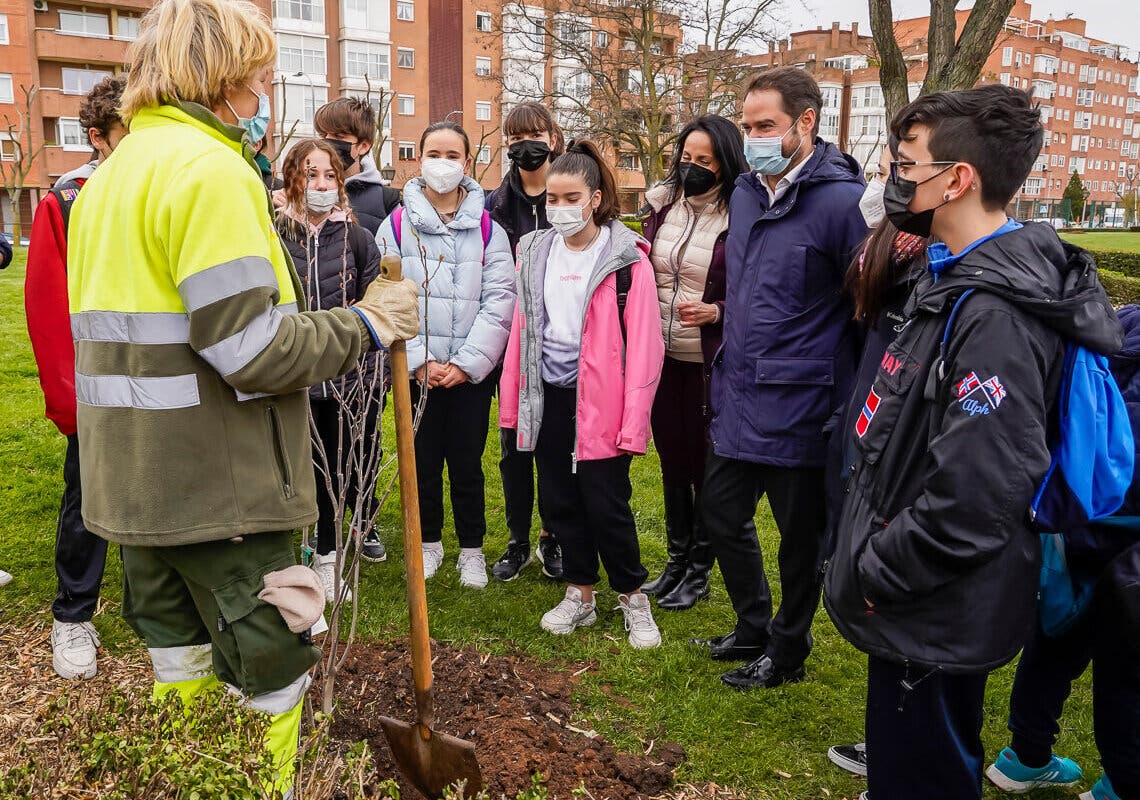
(482, 66)
(574, 36)
(483, 21)
(406, 105)
(300, 54)
(601, 39)
(82, 81)
(1004, 78)
(629, 162)
(482, 111)
(70, 135)
(365, 58)
(6, 94)
(406, 151)
(3, 29)
(305, 10)
(127, 27)
(484, 155)
(80, 23)
(405, 58)
(1017, 60)
(406, 11)
(368, 15)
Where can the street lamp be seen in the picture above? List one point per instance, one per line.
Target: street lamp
(312, 92)
(447, 116)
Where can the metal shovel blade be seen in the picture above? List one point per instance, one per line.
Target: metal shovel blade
(432, 761)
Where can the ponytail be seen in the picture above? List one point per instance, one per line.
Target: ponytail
(584, 159)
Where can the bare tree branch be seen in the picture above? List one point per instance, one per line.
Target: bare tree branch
(14, 171)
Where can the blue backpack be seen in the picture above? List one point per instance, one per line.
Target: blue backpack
(1090, 471)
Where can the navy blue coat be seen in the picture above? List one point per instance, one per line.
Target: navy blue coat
(790, 345)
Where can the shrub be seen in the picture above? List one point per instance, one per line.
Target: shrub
(633, 224)
(1121, 288)
(1117, 261)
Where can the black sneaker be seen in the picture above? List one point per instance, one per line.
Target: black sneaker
(372, 549)
(550, 556)
(511, 563)
(851, 757)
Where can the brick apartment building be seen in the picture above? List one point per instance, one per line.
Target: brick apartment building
(420, 60)
(1088, 88)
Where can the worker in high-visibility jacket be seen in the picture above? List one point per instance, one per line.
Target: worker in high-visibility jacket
(192, 362)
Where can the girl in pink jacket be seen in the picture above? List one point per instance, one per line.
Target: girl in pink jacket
(581, 370)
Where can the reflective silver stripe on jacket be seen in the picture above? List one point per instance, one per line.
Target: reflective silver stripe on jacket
(278, 701)
(226, 280)
(128, 391)
(174, 664)
(130, 328)
(235, 352)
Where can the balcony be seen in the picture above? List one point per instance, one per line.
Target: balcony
(59, 160)
(54, 103)
(51, 45)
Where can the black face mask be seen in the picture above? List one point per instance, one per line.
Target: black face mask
(896, 202)
(529, 154)
(344, 149)
(696, 180)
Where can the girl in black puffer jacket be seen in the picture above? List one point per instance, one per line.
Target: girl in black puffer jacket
(336, 259)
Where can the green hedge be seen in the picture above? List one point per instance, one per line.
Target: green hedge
(1117, 261)
(633, 224)
(1121, 289)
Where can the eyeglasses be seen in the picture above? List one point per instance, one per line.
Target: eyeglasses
(896, 166)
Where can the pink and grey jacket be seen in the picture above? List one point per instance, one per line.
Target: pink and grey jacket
(617, 377)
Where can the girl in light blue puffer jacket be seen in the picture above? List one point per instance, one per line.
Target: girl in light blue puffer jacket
(449, 245)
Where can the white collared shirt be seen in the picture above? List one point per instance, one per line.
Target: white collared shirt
(785, 182)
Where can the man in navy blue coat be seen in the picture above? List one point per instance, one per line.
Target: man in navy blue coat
(785, 369)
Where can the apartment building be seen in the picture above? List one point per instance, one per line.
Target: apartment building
(1088, 89)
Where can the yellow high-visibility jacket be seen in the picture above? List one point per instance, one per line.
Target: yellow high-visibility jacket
(191, 357)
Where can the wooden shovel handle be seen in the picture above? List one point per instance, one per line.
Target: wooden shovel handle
(409, 500)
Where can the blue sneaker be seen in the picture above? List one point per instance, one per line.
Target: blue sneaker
(1010, 775)
(1102, 790)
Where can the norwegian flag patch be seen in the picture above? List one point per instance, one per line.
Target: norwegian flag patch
(867, 414)
(978, 397)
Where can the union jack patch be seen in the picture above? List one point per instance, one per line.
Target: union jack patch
(978, 397)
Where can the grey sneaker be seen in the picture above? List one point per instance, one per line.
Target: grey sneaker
(5, 577)
(433, 558)
(73, 646)
(472, 566)
(643, 632)
(569, 615)
(851, 757)
(325, 567)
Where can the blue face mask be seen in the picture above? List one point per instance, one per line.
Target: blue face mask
(258, 124)
(765, 154)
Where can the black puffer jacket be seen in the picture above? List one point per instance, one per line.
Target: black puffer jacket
(335, 264)
(371, 201)
(516, 212)
(934, 529)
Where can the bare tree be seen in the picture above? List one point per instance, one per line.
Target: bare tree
(15, 170)
(494, 151)
(1128, 192)
(953, 62)
(383, 108)
(615, 74)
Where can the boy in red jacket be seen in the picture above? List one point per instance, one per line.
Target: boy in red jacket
(79, 554)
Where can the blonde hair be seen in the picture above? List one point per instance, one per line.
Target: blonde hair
(196, 50)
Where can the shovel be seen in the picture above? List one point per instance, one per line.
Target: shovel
(432, 761)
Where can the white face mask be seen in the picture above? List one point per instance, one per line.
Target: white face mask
(871, 203)
(569, 220)
(321, 202)
(442, 175)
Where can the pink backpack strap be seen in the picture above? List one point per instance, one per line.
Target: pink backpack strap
(397, 220)
(485, 227)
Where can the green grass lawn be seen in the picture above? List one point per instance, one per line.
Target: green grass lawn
(1125, 241)
(733, 739)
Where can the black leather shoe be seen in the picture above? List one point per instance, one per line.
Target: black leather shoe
(761, 674)
(725, 648)
(691, 590)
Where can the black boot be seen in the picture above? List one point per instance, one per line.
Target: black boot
(694, 584)
(678, 532)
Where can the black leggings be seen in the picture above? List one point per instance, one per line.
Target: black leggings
(587, 510)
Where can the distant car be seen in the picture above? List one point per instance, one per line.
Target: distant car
(1056, 222)
(23, 239)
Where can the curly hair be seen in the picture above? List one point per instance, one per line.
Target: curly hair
(294, 174)
(100, 108)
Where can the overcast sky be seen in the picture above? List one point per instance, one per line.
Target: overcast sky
(1116, 21)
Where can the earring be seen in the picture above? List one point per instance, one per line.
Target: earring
(946, 197)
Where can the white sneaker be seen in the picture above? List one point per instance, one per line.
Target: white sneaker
(326, 569)
(472, 566)
(73, 646)
(643, 632)
(433, 558)
(5, 577)
(570, 614)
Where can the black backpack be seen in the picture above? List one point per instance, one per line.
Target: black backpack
(65, 195)
(624, 279)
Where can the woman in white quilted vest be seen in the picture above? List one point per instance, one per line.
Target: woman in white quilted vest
(686, 221)
(464, 268)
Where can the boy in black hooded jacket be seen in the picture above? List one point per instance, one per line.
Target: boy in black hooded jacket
(934, 575)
